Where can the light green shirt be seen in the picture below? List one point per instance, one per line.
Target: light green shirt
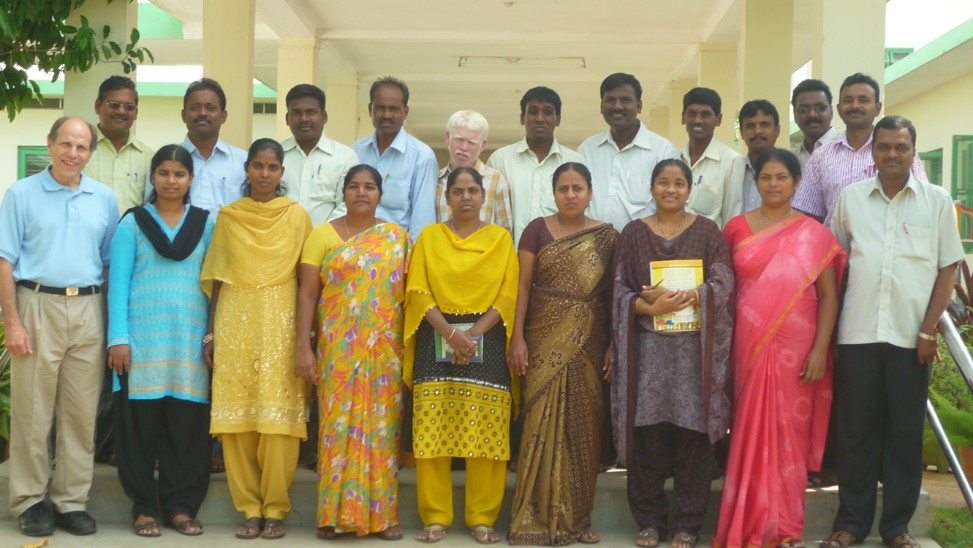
(896, 248)
(125, 171)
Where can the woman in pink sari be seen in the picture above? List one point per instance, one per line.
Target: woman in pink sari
(787, 268)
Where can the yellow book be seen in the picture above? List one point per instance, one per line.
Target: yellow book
(677, 275)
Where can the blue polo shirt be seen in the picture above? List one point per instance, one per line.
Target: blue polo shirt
(410, 174)
(218, 180)
(57, 236)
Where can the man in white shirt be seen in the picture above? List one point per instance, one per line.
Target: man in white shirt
(717, 185)
(759, 128)
(903, 248)
(466, 137)
(314, 165)
(621, 159)
(529, 164)
(811, 100)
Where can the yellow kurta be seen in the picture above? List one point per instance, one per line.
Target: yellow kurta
(255, 250)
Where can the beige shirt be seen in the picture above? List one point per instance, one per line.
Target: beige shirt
(316, 180)
(717, 186)
(125, 171)
(803, 155)
(531, 188)
(496, 202)
(895, 251)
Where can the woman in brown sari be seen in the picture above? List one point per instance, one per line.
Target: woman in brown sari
(560, 342)
(669, 403)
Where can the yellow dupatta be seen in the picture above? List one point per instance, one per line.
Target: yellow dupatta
(255, 244)
(460, 276)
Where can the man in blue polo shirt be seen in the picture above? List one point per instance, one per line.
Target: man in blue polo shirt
(55, 232)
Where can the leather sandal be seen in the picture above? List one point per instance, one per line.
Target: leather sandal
(250, 528)
(838, 539)
(647, 538)
(905, 540)
(432, 533)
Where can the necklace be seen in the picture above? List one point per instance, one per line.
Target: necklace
(344, 220)
(557, 219)
(678, 229)
(452, 226)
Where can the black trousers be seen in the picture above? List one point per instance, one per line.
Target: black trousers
(658, 448)
(174, 433)
(880, 409)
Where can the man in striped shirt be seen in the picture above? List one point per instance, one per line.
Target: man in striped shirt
(466, 137)
(848, 158)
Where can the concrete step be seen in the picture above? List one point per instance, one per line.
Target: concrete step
(109, 505)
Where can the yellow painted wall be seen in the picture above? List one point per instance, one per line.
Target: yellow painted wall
(938, 115)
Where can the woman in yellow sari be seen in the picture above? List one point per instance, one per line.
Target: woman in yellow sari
(258, 401)
(353, 275)
(460, 300)
(560, 343)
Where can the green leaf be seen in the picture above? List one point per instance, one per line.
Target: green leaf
(105, 31)
(5, 24)
(135, 35)
(115, 47)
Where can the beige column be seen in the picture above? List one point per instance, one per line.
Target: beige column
(659, 121)
(847, 37)
(297, 63)
(765, 54)
(81, 88)
(343, 112)
(365, 127)
(718, 71)
(677, 131)
(228, 27)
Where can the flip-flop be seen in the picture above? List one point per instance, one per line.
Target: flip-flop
(250, 528)
(838, 539)
(484, 534)
(273, 529)
(432, 533)
(647, 538)
(188, 526)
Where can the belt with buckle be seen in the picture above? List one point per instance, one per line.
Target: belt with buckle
(72, 291)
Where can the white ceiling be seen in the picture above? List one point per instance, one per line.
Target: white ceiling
(422, 43)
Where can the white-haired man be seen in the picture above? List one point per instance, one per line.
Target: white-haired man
(466, 137)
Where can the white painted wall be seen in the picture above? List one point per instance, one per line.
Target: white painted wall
(938, 115)
(159, 123)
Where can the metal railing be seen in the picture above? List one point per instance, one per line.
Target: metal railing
(961, 356)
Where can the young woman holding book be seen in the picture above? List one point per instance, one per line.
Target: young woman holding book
(672, 333)
(460, 299)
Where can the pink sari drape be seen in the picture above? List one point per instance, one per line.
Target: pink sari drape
(779, 426)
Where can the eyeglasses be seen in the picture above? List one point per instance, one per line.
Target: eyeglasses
(820, 109)
(127, 107)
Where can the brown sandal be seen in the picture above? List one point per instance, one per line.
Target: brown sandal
(250, 528)
(905, 540)
(647, 538)
(148, 527)
(589, 536)
(273, 529)
(838, 539)
(187, 525)
(685, 539)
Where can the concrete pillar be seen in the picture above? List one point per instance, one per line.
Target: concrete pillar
(847, 37)
(343, 110)
(297, 63)
(365, 126)
(718, 71)
(765, 54)
(81, 88)
(228, 27)
(659, 121)
(677, 131)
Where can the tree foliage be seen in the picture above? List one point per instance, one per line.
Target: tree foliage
(36, 33)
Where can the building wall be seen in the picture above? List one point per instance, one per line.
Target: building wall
(938, 115)
(159, 123)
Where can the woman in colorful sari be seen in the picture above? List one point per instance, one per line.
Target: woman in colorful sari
(259, 409)
(459, 312)
(787, 269)
(353, 275)
(156, 323)
(669, 403)
(560, 344)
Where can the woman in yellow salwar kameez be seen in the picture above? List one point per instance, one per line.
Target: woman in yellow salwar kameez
(460, 296)
(258, 401)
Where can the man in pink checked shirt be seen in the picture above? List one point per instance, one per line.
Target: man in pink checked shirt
(848, 158)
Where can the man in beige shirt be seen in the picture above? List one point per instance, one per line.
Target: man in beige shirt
(120, 161)
(717, 185)
(903, 248)
(466, 137)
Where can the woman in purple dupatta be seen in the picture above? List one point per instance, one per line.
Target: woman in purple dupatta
(669, 403)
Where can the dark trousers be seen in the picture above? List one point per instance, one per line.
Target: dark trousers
(174, 433)
(657, 449)
(880, 408)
